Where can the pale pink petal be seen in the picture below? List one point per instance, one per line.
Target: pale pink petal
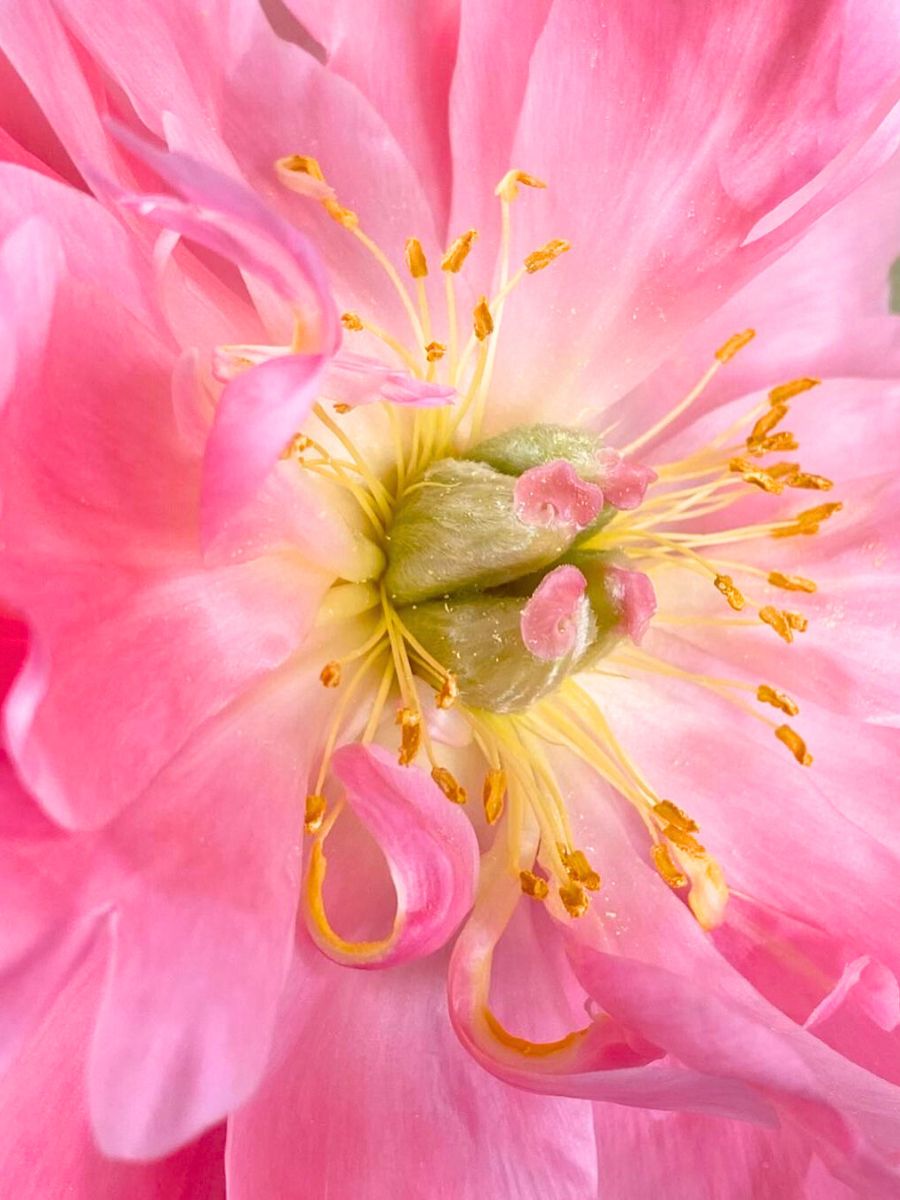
(554, 496)
(208, 869)
(663, 232)
(632, 594)
(430, 848)
(229, 219)
(342, 1104)
(555, 620)
(47, 1150)
(823, 310)
(496, 42)
(413, 97)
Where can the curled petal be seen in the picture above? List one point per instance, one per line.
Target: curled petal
(554, 495)
(557, 617)
(604, 1060)
(431, 852)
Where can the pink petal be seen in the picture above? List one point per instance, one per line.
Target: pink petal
(343, 1097)
(150, 663)
(46, 937)
(490, 62)
(555, 619)
(356, 380)
(690, 1157)
(412, 99)
(48, 1151)
(228, 218)
(665, 214)
(554, 496)
(206, 873)
(431, 851)
(257, 415)
(634, 597)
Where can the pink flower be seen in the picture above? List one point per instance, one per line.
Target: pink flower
(670, 937)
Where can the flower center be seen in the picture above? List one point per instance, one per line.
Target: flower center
(502, 573)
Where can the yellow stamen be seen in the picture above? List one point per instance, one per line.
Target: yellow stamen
(768, 421)
(533, 885)
(493, 795)
(779, 700)
(300, 164)
(351, 320)
(787, 391)
(410, 735)
(574, 899)
(458, 252)
(726, 586)
(666, 868)
(776, 619)
(340, 407)
(482, 319)
(330, 675)
(795, 744)
(508, 187)
(673, 815)
(796, 620)
(452, 789)
(538, 259)
(297, 446)
(580, 870)
(435, 351)
(760, 477)
(735, 343)
(416, 263)
(767, 445)
(791, 583)
(803, 479)
(684, 841)
(448, 693)
(315, 813)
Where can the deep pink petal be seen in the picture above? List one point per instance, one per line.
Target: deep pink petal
(430, 848)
